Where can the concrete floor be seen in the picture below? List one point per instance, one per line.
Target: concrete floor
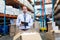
(6, 38)
(11, 38)
(43, 36)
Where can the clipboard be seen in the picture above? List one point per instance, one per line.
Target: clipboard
(25, 23)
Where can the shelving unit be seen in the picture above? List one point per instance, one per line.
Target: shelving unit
(6, 17)
(15, 4)
(56, 4)
(57, 9)
(57, 12)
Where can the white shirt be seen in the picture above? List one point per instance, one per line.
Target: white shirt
(21, 18)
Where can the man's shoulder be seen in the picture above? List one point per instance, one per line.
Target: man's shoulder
(19, 14)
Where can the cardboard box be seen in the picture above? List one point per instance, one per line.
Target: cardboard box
(50, 36)
(37, 26)
(31, 36)
(12, 30)
(57, 35)
(28, 36)
(17, 30)
(50, 26)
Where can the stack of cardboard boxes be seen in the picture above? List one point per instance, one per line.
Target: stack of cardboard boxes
(2, 6)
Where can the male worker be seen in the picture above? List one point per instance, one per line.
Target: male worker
(47, 20)
(24, 20)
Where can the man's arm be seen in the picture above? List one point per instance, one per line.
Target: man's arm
(30, 22)
(18, 22)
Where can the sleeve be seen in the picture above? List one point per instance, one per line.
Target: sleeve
(30, 22)
(48, 20)
(18, 22)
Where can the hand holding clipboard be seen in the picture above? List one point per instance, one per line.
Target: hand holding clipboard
(24, 23)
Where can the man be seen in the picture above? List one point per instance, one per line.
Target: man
(24, 20)
(45, 22)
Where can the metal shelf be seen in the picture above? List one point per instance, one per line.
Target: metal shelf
(7, 16)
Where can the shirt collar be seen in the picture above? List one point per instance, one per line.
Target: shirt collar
(23, 13)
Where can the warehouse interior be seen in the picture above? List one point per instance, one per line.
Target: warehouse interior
(10, 9)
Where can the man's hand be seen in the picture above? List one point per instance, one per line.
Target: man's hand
(21, 24)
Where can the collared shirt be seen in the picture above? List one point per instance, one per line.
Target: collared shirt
(21, 18)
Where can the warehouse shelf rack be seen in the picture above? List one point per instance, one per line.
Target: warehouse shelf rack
(57, 13)
(15, 4)
(57, 2)
(43, 6)
(5, 18)
(43, 13)
(57, 9)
